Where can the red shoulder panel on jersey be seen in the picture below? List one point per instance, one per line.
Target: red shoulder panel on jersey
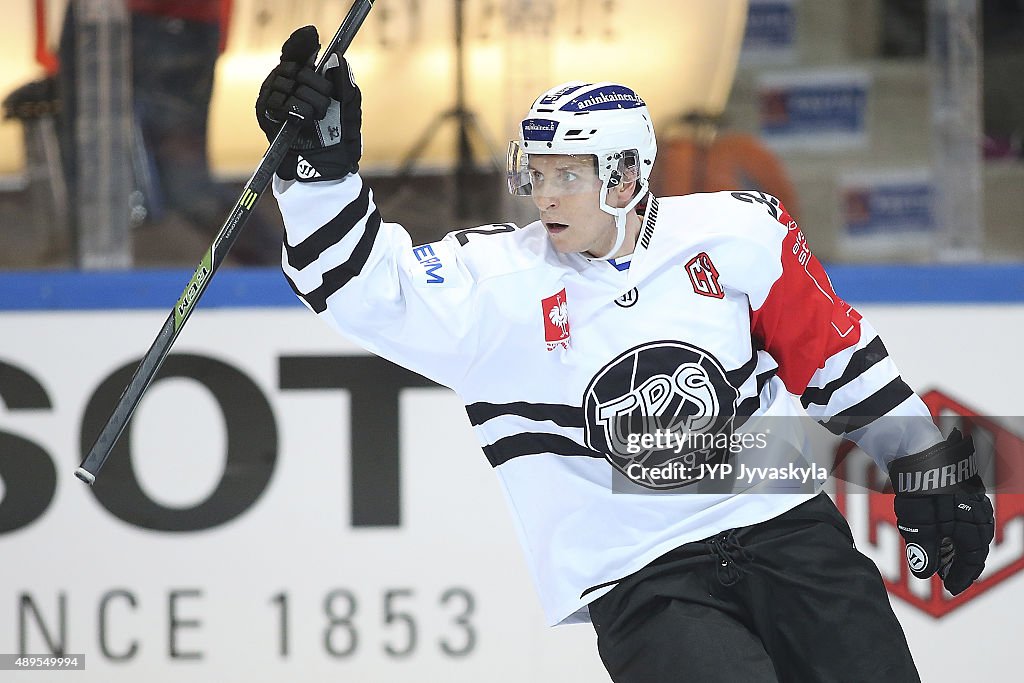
(802, 322)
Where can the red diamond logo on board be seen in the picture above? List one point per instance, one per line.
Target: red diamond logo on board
(556, 321)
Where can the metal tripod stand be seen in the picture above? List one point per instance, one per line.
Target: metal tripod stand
(468, 126)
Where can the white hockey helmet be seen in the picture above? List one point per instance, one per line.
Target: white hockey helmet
(607, 121)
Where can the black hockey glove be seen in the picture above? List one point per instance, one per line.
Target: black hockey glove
(329, 145)
(943, 513)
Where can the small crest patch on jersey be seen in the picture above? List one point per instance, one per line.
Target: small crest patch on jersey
(704, 276)
(556, 321)
(629, 299)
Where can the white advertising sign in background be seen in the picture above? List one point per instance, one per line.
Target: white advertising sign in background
(887, 214)
(814, 110)
(290, 587)
(770, 34)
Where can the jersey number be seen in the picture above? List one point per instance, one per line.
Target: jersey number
(769, 202)
(463, 235)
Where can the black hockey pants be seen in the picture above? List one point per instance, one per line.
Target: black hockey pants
(787, 600)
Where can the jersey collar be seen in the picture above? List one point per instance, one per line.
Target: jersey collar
(621, 263)
(643, 240)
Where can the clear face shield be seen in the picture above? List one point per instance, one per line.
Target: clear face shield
(556, 175)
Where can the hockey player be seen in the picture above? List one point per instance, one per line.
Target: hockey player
(617, 312)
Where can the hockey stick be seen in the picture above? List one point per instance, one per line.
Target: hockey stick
(209, 264)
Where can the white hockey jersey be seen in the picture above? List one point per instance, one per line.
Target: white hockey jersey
(721, 312)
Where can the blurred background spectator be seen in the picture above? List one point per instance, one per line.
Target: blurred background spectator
(175, 45)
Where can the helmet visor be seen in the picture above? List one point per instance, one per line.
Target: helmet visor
(550, 175)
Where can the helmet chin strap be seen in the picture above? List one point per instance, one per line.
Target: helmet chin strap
(620, 219)
(620, 235)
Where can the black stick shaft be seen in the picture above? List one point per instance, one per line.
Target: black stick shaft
(210, 262)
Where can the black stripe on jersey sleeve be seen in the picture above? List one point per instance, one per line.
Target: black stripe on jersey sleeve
(337, 277)
(860, 361)
(533, 443)
(309, 249)
(750, 405)
(562, 415)
(870, 409)
(741, 374)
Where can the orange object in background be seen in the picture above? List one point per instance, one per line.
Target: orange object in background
(706, 161)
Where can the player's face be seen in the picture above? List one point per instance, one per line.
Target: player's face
(567, 192)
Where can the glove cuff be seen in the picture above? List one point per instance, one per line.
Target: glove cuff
(315, 165)
(947, 467)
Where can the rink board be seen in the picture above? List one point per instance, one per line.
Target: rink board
(270, 561)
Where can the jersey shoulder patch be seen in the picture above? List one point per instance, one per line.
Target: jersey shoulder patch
(737, 235)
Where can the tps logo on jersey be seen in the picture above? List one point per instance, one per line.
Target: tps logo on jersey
(668, 387)
(1001, 452)
(555, 310)
(704, 276)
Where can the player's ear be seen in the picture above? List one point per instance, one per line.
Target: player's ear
(623, 192)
